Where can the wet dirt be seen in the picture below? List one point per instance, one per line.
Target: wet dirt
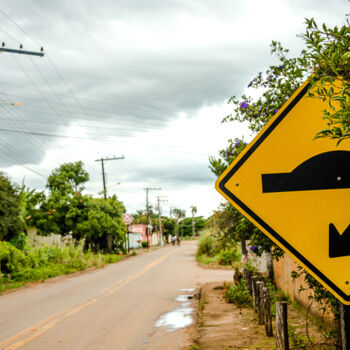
(222, 326)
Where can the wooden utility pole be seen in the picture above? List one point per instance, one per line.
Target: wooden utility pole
(102, 160)
(160, 238)
(147, 189)
(104, 180)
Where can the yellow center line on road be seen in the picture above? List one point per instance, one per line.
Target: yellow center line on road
(30, 333)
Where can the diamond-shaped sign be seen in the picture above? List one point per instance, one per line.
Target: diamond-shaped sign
(297, 190)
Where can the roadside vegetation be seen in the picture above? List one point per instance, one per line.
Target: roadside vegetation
(91, 230)
(29, 264)
(213, 250)
(93, 227)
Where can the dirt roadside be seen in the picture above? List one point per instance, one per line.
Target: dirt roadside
(222, 326)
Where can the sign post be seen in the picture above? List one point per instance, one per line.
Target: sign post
(297, 190)
(128, 218)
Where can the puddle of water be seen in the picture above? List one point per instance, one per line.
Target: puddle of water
(177, 319)
(184, 297)
(181, 317)
(186, 289)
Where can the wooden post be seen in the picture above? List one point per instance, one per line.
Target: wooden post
(237, 275)
(282, 341)
(247, 276)
(270, 265)
(267, 312)
(259, 286)
(345, 325)
(255, 279)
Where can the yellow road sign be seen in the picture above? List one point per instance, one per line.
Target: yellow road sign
(297, 190)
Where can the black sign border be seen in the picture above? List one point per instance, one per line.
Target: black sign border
(261, 222)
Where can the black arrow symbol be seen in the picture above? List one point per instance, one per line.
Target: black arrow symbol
(339, 245)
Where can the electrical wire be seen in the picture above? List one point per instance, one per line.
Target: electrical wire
(105, 103)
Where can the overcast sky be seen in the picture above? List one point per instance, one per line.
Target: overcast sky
(148, 80)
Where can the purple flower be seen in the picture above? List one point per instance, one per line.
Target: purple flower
(238, 143)
(226, 153)
(260, 108)
(244, 105)
(276, 110)
(252, 247)
(281, 66)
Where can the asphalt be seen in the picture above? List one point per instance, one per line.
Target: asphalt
(111, 308)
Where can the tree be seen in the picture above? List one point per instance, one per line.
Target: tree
(104, 219)
(193, 211)
(11, 222)
(169, 225)
(179, 215)
(188, 223)
(329, 56)
(68, 178)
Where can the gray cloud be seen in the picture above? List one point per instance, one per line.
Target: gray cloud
(130, 72)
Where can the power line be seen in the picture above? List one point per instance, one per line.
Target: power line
(20, 28)
(48, 135)
(13, 121)
(132, 108)
(21, 156)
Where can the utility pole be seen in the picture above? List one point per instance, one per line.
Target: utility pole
(148, 225)
(20, 51)
(102, 160)
(160, 233)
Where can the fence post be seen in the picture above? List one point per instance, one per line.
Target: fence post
(345, 325)
(259, 286)
(282, 341)
(247, 276)
(267, 312)
(255, 279)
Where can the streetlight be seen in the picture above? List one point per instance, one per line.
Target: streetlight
(16, 104)
(117, 183)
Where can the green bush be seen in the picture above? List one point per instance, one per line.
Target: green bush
(237, 294)
(228, 256)
(207, 246)
(33, 264)
(144, 244)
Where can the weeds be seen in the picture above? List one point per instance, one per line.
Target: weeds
(35, 264)
(237, 294)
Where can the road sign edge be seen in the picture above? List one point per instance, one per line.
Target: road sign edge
(272, 234)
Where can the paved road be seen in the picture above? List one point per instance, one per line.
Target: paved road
(111, 308)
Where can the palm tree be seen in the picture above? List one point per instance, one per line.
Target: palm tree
(179, 215)
(194, 211)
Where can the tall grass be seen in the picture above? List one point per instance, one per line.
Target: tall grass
(32, 264)
(210, 251)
